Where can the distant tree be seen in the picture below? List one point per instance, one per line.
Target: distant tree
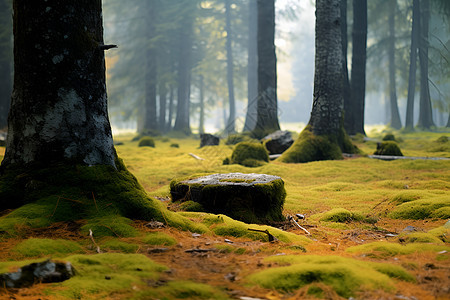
(5, 60)
(252, 66)
(324, 137)
(425, 111)
(348, 120)
(267, 110)
(358, 71)
(231, 123)
(395, 121)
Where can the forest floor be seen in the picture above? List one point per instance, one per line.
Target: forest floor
(399, 211)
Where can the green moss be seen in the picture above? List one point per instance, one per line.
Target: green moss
(119, 246)
(146, 141)
(443, 139)
(389, 137)
(191, 206)
(338, 215)
(386, 249)
(234, 139)
(249, 153)
(436, 207)
(388, 148)
(110, 226)
(160, 239)
(345, 275)
(421, 237)
(406, 196)
(33, 247)
(174, 145)
(442, 233)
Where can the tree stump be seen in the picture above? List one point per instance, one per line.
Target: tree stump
(251, 198)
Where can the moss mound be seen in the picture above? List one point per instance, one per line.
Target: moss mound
(117, 245)
(344, 275)
(389, 137)
(112, 225)
(421, 237)
(234, 139)
(160, 239)
(388, 148)
(33, 247)
(386, 249)
(436, 207)
(443, 139)
(249, 154)
(146, 141)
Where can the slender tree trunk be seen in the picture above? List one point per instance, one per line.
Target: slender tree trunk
(267, 110)
(425, 112)
(231, 124)
(201, 125)
(395, 121)
(348, 107)
(358, 72)
(448, 120)
(5, 61)
(59, 104)
(409, 123)
(252, 67)
(162, 105)
(326, 114)
(171, 108)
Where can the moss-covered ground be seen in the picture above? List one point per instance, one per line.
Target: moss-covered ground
(357, 210)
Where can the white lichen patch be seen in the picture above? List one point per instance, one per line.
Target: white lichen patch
(57, 59)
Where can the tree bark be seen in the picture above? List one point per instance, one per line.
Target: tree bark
(328, 102)
(171, 108)
(231, 124)
(59, 103)
(395, 121)
(409, 122)
(5, 61)
(358, 72)
(267, 110)
(201, 125)
(425, 111)
(252, 67)
(162, 105)
(346, 91)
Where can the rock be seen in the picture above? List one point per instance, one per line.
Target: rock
(207, 139)
(251, 198)
(278, 142)
(409, 228)
(44, 272)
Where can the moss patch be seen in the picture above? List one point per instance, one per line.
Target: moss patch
(110, 226)
(388, 148)
(249, 154)
(117, 245)
(339, 215)
(33, 247)
(436, 207)
(421, 237)
(160, 239)
(146, 141)
(386, 249)
(346, 276)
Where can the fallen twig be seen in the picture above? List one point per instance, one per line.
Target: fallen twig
(271, 237)
(199, 250)
(196, 157)
(93, 241)
(295, 222)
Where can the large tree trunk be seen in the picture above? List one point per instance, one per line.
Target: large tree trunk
(358, 72)
(5, 61)
(267, 111)
(59, 104)
(425, 111)
(395, 121)
(409, 122)
(231, 124)
(162, 105)
(252, 67)
(171, 108)
(346, 91)
(201, 125)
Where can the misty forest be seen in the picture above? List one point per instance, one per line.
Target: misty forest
(225, 149)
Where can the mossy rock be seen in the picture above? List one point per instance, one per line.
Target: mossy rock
(389, 148)
(442, 139)
(146, 141)
(249, 154)
(389, 137)
(234, 139)
(252, 198)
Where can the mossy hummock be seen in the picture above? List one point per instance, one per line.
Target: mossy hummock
(252, 198)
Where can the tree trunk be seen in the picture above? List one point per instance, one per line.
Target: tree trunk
(409, 123)
(252, 67)
(395, 121)
(267, 111)
(5, 61)
(328, 102)
(346, 91)
(231, 124)
(201, 125)
(425, 112)
(59, 103)
(358, 72)
(162, 105)
(171, 108)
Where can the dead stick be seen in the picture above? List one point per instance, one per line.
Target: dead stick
(92, 239)
(295, 222)
(271, 237)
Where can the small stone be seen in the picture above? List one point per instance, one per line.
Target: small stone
(300, 216)
(391, 235)
(196, 235)
(207, 139)
(409, 228)
(228, 241)
(278, 141)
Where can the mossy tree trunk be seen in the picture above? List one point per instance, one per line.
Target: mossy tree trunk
(267, 110)
(324, 137)
(59, 104)
(5, 60)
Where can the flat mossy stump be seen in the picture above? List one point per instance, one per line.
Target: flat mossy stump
(251, 198)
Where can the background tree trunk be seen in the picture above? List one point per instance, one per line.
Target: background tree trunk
(267, 110)
(59, 104)
(171, 108)
(201, 125)
(395, 121)
(346, 91)
(425, 111)
(231, 124)
(162, 105)
(409, 122)
(358, 72)
(252, 67)
(5, 60)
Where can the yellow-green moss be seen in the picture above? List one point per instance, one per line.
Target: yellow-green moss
(441, 233)
(341, 215)
(146, 141)
(388, 148)
(160, 239)
(436, 207)
(421, 237)
(110, 226)
(117, 245)
(387, 249)
(345, 275)
(34, 247)
(249, 154)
